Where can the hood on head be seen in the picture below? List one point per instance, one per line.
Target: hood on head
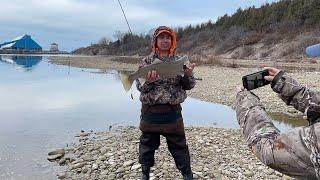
(157, 32)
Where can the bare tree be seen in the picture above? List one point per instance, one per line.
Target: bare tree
(104, 41)
(118, 35)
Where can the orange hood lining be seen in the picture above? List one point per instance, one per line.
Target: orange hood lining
(173, 39)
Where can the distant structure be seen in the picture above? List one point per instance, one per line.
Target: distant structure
(21, 43)
(54, 47)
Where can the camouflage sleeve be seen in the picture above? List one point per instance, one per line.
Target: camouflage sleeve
(145, 87)
(300, 97)
(252, 118)
(188, 82)
(294, 153)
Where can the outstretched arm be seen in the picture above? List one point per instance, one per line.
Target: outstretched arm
(292, 93)
(293, 153)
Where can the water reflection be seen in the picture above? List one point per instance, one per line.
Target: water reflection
(25, 62)
(289, 121)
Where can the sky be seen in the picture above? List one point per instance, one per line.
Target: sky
(78, 23)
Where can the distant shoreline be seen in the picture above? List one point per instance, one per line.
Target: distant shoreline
(218, 82)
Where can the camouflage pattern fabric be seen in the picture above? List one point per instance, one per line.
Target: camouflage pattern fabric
(296, 152)
(164, 90)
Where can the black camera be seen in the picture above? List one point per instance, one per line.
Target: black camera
(255, 80)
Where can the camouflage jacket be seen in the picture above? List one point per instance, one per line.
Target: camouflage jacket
(164, 90)
(296, 152)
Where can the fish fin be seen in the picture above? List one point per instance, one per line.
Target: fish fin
(142, 81)
(126, 82)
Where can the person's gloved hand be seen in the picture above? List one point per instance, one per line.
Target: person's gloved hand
(272, 73)
(239, 88)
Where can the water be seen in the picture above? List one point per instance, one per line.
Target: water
(42, 107)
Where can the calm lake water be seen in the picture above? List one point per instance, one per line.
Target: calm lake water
(42, 107)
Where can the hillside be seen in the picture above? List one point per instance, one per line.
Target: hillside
(281, 30)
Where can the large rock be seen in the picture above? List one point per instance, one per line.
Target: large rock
(61, 175)
(54, 157)
(55, 152)
(82, 134)
(135, 167)
(128, 163)
(95, 166)
(78, 165)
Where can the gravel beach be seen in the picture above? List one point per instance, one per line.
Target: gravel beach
(215, 154)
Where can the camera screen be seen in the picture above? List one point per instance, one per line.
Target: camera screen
(255, 80)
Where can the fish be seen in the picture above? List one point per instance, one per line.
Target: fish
(165, 69)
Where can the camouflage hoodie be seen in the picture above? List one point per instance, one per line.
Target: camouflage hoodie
(164, 90)
(296, 152)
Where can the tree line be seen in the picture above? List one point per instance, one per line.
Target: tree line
(269, 23)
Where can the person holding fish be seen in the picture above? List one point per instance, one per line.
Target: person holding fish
(163, 89)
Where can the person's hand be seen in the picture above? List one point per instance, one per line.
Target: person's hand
(239, 88)
(272, 73)
(188, 71)
(152, 76)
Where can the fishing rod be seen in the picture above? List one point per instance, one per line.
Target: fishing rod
(125, 17)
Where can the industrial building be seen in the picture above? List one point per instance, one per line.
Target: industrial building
(54, 47)
(21, 43)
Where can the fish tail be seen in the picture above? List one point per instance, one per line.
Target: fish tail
(125, 81)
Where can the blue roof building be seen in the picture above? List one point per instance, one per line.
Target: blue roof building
(23, 42)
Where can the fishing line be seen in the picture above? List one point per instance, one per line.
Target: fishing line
(125, 17)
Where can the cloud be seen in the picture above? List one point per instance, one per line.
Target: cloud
(75, 23)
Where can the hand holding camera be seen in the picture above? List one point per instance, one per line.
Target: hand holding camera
(257, 79)
(272, 73)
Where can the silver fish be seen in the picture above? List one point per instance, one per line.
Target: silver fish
(164, 69)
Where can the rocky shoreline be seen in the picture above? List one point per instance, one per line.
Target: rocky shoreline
(215, 154)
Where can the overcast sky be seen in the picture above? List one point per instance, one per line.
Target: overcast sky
(78, 23)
